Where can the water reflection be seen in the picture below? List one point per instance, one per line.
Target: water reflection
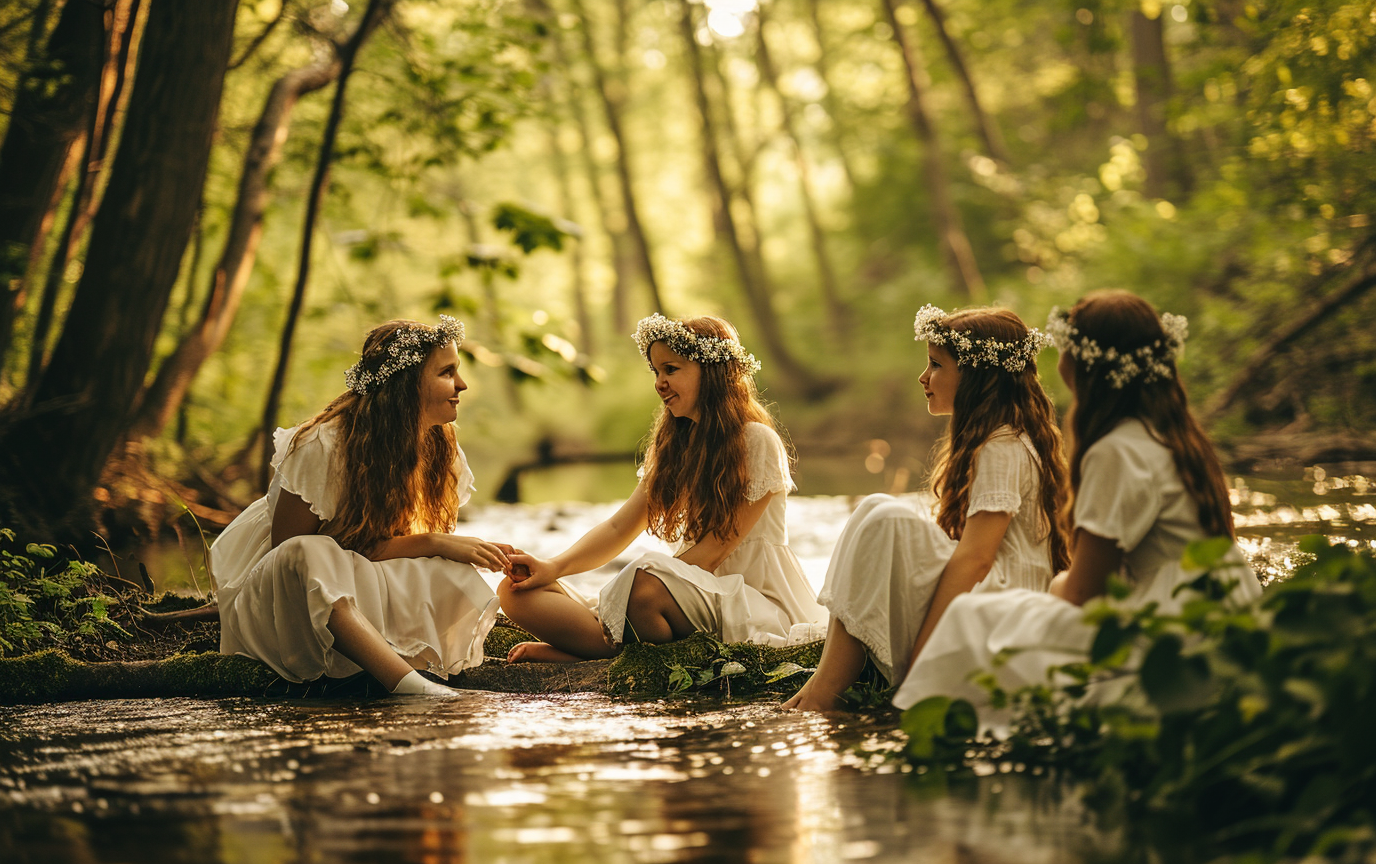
(494, 778)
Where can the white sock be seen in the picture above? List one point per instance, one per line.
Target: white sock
(414, 684)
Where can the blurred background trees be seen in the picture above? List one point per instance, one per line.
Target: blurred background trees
(551, 170)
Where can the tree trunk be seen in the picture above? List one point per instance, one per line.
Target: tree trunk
(53, 454)
(612, 109)
(372, 16)
(227, 283)
(830, 103)
(577, 286)
(114, 74)
(54, 97)
(987, 128)
(756, 290)
(838, 313)
(955, 245)
(1168, 169)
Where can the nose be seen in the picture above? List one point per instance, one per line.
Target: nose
(459, 384)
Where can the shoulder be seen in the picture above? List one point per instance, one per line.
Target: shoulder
(1004, 445)
(761, 435)
(1131, 447)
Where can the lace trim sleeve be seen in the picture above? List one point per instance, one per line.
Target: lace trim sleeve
(768, 463)
(305, 471)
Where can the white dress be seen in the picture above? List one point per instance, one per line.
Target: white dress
(275, 602)
(1130, 492)
(889, 558)
(759, 593)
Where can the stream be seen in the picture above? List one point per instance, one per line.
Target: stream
(525, 778)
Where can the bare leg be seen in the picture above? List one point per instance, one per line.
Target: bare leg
(652, 612)
(563, 623)
(356, 638)
(843, 656)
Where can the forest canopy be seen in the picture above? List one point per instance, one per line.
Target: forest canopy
(204, 206)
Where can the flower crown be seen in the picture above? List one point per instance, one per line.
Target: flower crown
(975, 352)
(694, 346)
(409, 345)
(1152, 361)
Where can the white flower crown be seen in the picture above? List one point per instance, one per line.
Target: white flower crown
(694, 346)
(1154, 362)
(410, 345)
(985, 351)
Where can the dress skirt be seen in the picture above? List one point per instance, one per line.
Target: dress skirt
(434, 612)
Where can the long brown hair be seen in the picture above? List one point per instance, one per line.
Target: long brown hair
(397, 480)
(696, 474)
(988, 397)
(1126, 322)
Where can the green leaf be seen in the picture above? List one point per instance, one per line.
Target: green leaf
(1205, 554)
(41, 550)
(786, 670)
(922, 723)
(1175, 682)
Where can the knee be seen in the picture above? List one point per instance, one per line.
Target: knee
(506, 594)
(647, 591)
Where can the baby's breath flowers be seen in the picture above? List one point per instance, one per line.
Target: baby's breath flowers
(930, 326)
(409, 345)
(694, 346)
(1153, 362)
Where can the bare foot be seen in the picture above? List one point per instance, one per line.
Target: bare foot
(806, 700)
(539, 652)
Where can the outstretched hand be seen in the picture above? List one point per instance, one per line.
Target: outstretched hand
(528, 573)
(479, 553)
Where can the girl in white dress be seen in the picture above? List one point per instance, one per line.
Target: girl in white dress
(715, 481)
(348, 562)
(1000, 486)
(1146, 484)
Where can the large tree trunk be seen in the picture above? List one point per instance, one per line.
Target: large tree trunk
(988, 130)
(756, 289)
(955, 245)
(115, 72)
(231, 275)
(612, 109)
(1168, 168)
(838, 314)
(372, 17)
(55, 96)
(54, 453)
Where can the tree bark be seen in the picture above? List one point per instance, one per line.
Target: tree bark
(755, 287)
(54, 98)
(372, 17)
(612, 111)
(955, 245)
(1358, 284)
(54, 453)
(1167, 168)
(838, 313)
(577, 285)
(227, 283)
(988, 130)
(114, 73)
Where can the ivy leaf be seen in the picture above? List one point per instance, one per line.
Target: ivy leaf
(1175, 682)
(1206, 554)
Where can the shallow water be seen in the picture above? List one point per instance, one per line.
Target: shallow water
(510, 778)
(493, 778)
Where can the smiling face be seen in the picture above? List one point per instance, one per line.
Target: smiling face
(440, 386)
(939, 380)
(677, 381)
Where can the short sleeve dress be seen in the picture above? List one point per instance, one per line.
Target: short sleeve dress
(759, 593)
(275, 602)
(1131, 493)
(889, 557)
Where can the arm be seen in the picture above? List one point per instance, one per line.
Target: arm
(292, 517)
(1091, 562)
(971, 562)
(709, 552)
(592, 550)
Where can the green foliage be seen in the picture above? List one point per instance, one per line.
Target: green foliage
(49, 600)
(531, 230)
(703, 663)
(1250, 726)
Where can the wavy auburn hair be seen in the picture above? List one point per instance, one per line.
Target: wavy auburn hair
(696, 474)
(1118, 319)
(988, 397)
(398, 479)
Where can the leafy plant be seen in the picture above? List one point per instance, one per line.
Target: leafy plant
(47, 600)
(1247, 726)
